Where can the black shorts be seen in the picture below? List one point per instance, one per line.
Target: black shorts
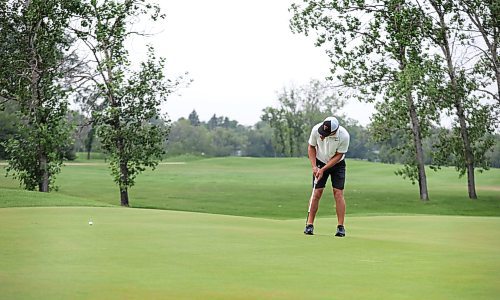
(337, 174)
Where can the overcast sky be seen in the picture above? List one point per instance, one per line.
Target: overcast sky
(239, 54)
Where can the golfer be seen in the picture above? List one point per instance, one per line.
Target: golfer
(328, 144)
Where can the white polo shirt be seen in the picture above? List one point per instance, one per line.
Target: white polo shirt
(326, 148)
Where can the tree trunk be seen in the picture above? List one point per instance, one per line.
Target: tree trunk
(469, 156)
(124, 183)
(498, 84)
(417, 139)
(457, 99)
(89, 141)
(43, 186)
(124, 197)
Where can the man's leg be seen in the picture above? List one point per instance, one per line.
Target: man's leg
(314, 205)
(339, 205)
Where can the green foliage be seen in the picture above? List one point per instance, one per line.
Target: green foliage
(260, 141)
(185, 138)
(129, 125)
(8, 126)
(376, 50)
(34, 42)
(193, 118)
(24, 158)
(494, 153)
(127, 131)
(459, 93)
(484, 23)
(220, 136)
(299, 110)
(449, 148)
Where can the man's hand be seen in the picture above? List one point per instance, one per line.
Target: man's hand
(319, 174)
(315, 171)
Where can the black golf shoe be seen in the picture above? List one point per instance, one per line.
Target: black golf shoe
(309, 229)
(340, 231)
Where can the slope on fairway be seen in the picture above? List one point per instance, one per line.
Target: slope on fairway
(52, 253)
(277, 188)
(22, 198)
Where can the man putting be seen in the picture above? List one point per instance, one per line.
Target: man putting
(328, 144)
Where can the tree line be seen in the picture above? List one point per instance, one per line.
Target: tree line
(220, 136)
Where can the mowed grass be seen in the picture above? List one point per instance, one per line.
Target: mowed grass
(52, 253)
(270, 188)
(248, 243)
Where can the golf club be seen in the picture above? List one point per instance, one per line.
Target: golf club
(310, 199)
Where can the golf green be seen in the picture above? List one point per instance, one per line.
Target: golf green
(53, 253)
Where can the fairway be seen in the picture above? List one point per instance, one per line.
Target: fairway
(52, 253)
(277, 188)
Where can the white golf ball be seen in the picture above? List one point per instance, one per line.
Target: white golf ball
(90, 223)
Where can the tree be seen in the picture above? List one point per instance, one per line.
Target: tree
(360, 145)
(34, 44)
(376, 50)
(260, 141)
(185, 138)
(89, 141)
(193, 118)
(494, 153)
(471, 136)
(227, 142)
(214, 122)
(300, 108)
(129, 126)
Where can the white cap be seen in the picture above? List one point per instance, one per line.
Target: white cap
(329, 125)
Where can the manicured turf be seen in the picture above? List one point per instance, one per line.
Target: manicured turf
(22, 198)
(248, 242)
(275, 188)
(52, 253)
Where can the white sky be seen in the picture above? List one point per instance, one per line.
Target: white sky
(239, 54)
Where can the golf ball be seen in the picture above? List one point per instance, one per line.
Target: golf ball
(90, 223)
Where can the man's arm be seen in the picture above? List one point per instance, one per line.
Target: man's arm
(332, 162)
(311, 152)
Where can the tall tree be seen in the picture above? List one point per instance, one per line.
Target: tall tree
(474, 123)
(376, 50)
(33, 57)
(193, 118)
(127, 127)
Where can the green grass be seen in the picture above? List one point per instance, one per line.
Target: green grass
(21, 198)
(247, 242)
(276, 188)
(52, 253)
(82, 156)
